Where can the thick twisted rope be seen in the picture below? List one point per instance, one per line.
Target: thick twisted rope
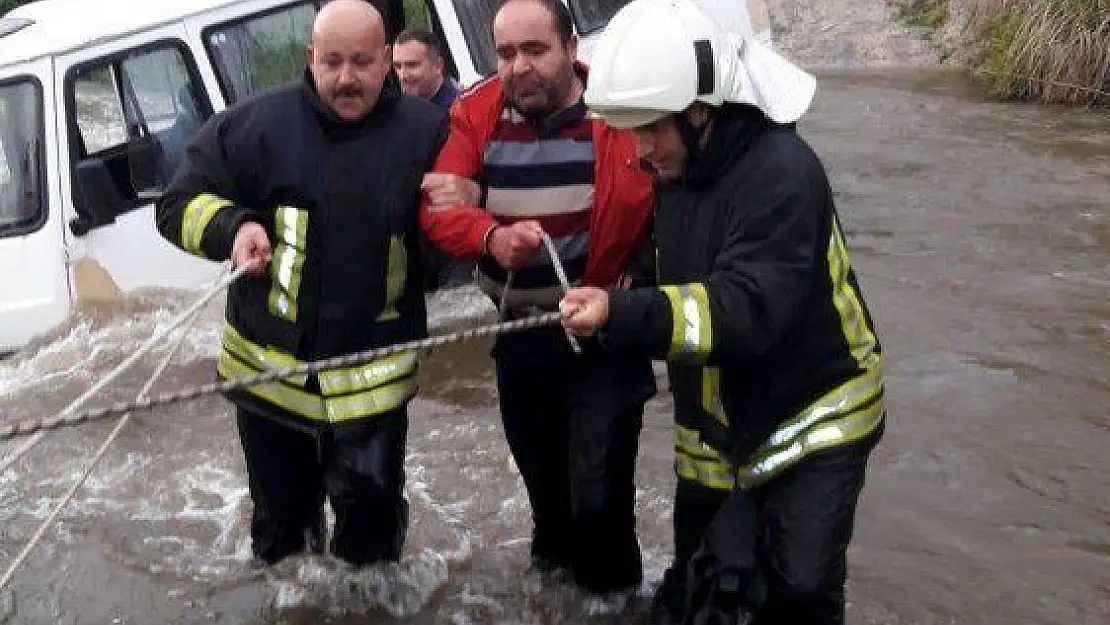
(116, 431)
(560, 273)
(348, 360)
(221, 283)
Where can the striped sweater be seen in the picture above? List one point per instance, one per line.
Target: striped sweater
(540, 171)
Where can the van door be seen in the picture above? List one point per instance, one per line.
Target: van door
(131, 106)
(35, 292)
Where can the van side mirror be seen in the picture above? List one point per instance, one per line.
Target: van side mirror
(96, 197)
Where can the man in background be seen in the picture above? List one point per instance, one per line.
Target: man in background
(419, 64)
(418, 61)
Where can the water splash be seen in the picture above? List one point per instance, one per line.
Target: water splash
(324, 583)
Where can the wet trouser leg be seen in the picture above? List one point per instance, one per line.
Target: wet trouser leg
(606, 404)
(573, 423)
(365, 476)
(285, 479)
(530, 370)
(694, 509)
(779, 551)
(807, 520)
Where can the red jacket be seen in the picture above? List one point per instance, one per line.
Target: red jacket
(621, 215)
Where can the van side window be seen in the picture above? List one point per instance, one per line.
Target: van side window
(260, 51)
(22, 205)
(132, 116)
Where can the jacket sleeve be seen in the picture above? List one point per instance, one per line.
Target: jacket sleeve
(459, 230)
(199, 212)
(760, 282)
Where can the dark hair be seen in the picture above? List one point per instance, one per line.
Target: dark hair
(560, 14)
(421, 35)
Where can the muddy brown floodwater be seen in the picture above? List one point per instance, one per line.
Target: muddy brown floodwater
(981, 235)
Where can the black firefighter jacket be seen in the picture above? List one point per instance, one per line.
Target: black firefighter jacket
(339, 202)
(771, 350)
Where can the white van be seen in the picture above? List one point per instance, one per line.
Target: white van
(97, 102)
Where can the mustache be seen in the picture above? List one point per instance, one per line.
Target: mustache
(347, 91)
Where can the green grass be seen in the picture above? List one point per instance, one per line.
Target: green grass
(1056, 51)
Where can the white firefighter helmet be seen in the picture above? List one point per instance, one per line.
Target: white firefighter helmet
(657, 57)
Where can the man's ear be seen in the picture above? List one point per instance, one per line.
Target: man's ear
(308, 54)
(572, 47)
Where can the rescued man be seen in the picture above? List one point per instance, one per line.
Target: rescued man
(523, 159)
(773, 358)
(316, 186)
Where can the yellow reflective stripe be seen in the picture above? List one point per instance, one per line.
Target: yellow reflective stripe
(692, 327)
(395, 273)
(291, 227)
(369, 375)
(197, 215)
(711, 394)
(853, 323)
(847, 429)
(372, 402)
(298, 402)
(710, 474)
(385, 385)
(688, 441)
(261, 358)
(846, 414)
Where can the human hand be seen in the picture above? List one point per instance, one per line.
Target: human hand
(448, 190)
(586, 309)
(512, 246)
(251, 247)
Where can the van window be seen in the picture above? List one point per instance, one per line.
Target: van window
(131, 116)
(476, 20)
(591, 15)
(260, 51)
(22, 206)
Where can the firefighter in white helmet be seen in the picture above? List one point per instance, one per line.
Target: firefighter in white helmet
(774, 363)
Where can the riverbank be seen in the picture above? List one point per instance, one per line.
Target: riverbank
(1053, 51)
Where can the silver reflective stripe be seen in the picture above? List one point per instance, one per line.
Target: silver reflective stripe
(692, 330)
(291, 226)
(840, 431)
(844, 399)
(370, 375)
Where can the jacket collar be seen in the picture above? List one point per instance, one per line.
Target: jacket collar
(735, 127)
(390, 95)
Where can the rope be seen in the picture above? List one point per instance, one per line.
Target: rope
(550, 245)
(348, 360)
(41, 531)
(560, 273)
(155, 340)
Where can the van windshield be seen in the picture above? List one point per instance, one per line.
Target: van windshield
(21, 154)
(476, 20)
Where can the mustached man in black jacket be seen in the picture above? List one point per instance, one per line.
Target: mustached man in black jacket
(316, 187)
(774, 363)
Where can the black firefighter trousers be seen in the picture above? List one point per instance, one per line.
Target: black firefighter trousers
(573, 423)
(776, 553)
(359, 466)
